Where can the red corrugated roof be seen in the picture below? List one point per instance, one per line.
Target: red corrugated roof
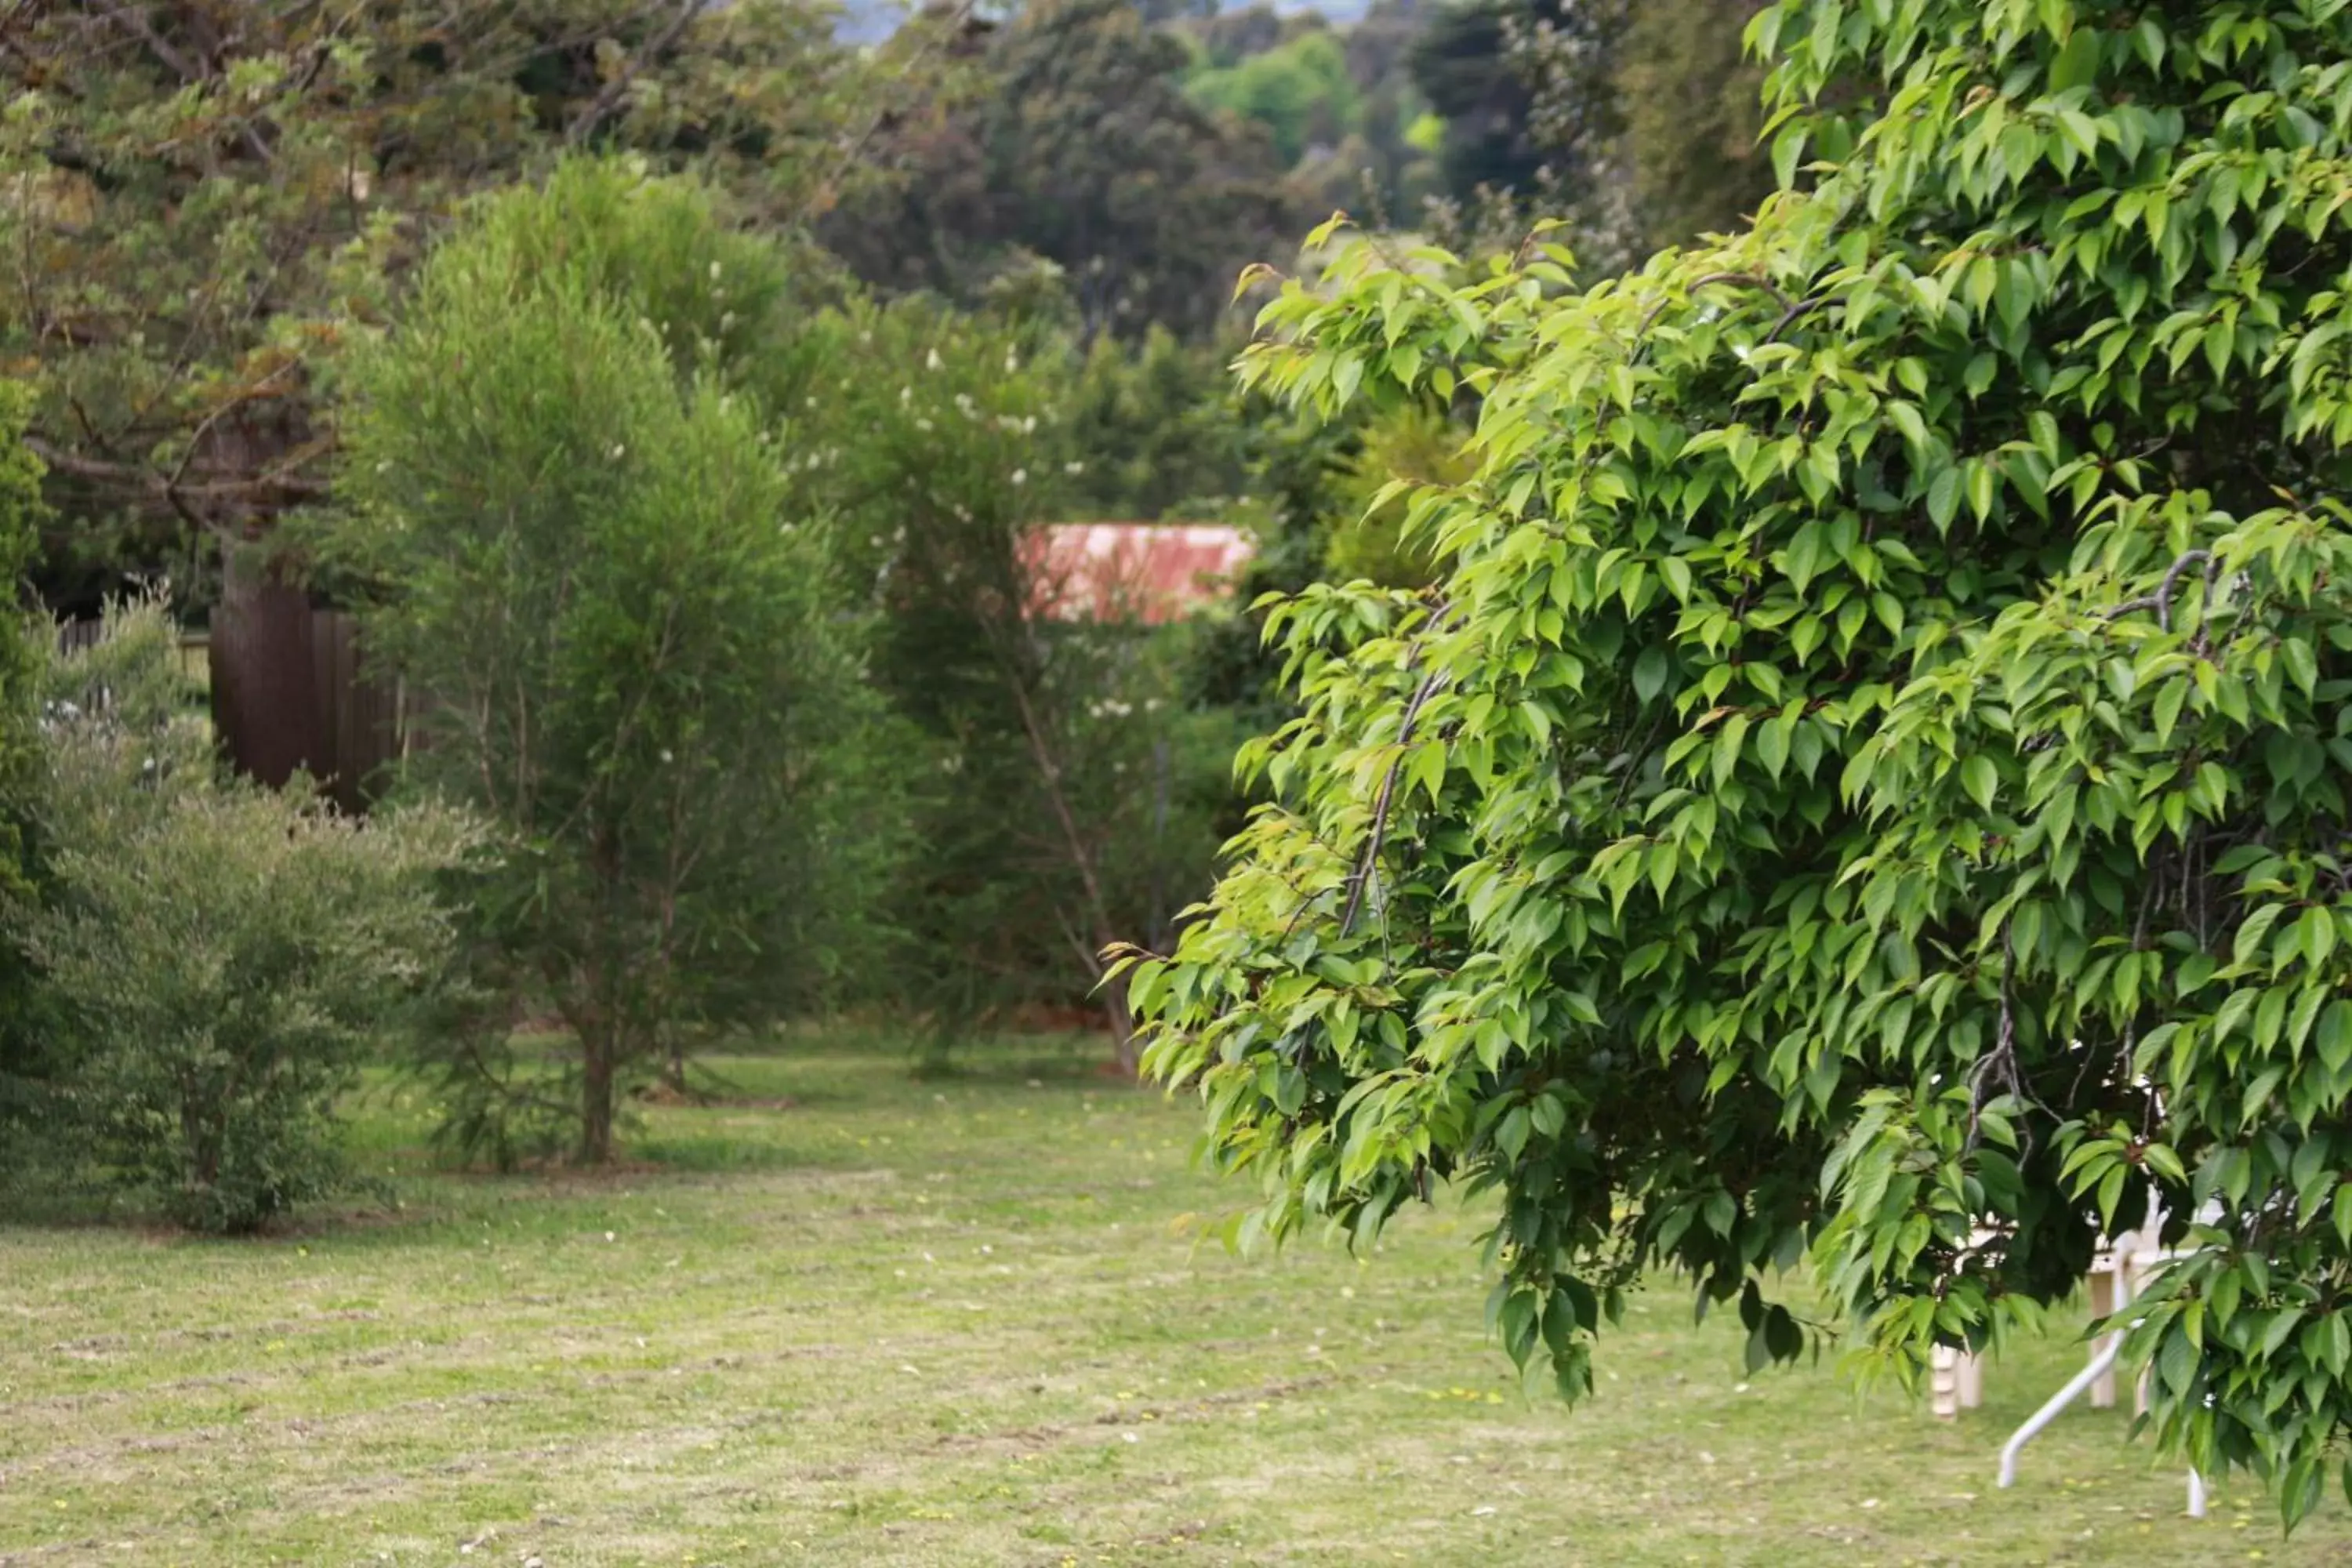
(1155, 572)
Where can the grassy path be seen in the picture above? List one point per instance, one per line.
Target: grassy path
(961, 1323)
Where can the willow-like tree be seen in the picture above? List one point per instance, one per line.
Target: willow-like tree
(586, 549)
(1868, 783)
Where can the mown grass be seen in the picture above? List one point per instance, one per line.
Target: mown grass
(959, 1321)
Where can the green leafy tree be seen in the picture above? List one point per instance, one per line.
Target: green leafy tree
(21, 513)
(20, 761)
(1081, 148)
(1300, 92)
(590, 553)
(203, 195)
(1062, 784)
(1411, 442)
(1689, 98)
(1868, 783)
(1461, 65)
(1156, 434)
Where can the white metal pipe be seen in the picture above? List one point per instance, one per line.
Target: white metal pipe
(2058, 1402)
(2100, 1363)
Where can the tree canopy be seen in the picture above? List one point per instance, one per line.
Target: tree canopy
(1867, 781)
(1082, 149)
(205, 198)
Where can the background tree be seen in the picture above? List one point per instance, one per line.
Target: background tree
(1064, 788)
(1081, 148)
(1156, 434)
(1300, 91)
(1691, 102)
(589, 549)
(1864, 782)
(21, 659)
(1459, 67)
(1409, 441)
(201, 194)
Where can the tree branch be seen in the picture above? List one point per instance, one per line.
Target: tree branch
(1360, 877)
(133, 20)
(606, 100)
(276, 484)
(2161, 601)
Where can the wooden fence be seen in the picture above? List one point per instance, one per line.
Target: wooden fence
(290, 693)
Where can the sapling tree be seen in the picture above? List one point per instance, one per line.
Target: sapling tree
(1866, 781)
(589, 554)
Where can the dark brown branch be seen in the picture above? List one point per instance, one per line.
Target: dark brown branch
(276, 484)
(2161, 601)
(1360, 877)
(131, 19)
(1747, 279)
(606, 100)
(1790, 313)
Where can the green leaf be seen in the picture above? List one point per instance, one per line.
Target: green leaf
(1788, 147)
(1944, 497)
(1676, 574)
(1649, 673)
(1979, 778)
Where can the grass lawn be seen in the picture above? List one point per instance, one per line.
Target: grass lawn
(964, 1322)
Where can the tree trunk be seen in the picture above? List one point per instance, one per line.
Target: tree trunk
(1123, 1027)
(674, 1063)
(597, 1051)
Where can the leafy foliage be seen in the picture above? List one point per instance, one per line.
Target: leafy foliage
(20, 758)
(1869, 780)
(589, 549)
(1411, 442)
(213, 960)
(1692, 147)
(1299, 91)
(1082, 148)
(208, 194)
(1063, 788)
(1156, 434)
(20, 517)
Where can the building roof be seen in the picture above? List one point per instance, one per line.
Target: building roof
(1154, 572)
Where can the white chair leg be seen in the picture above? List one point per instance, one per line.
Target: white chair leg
(1943, 1383)
(1972, 1379)
(2103, 1302)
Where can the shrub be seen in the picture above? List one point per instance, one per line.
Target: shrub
(215, 960)
(591, 551)
(20, 511)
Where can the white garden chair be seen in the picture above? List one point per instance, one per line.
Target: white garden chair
(2117, 1273)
